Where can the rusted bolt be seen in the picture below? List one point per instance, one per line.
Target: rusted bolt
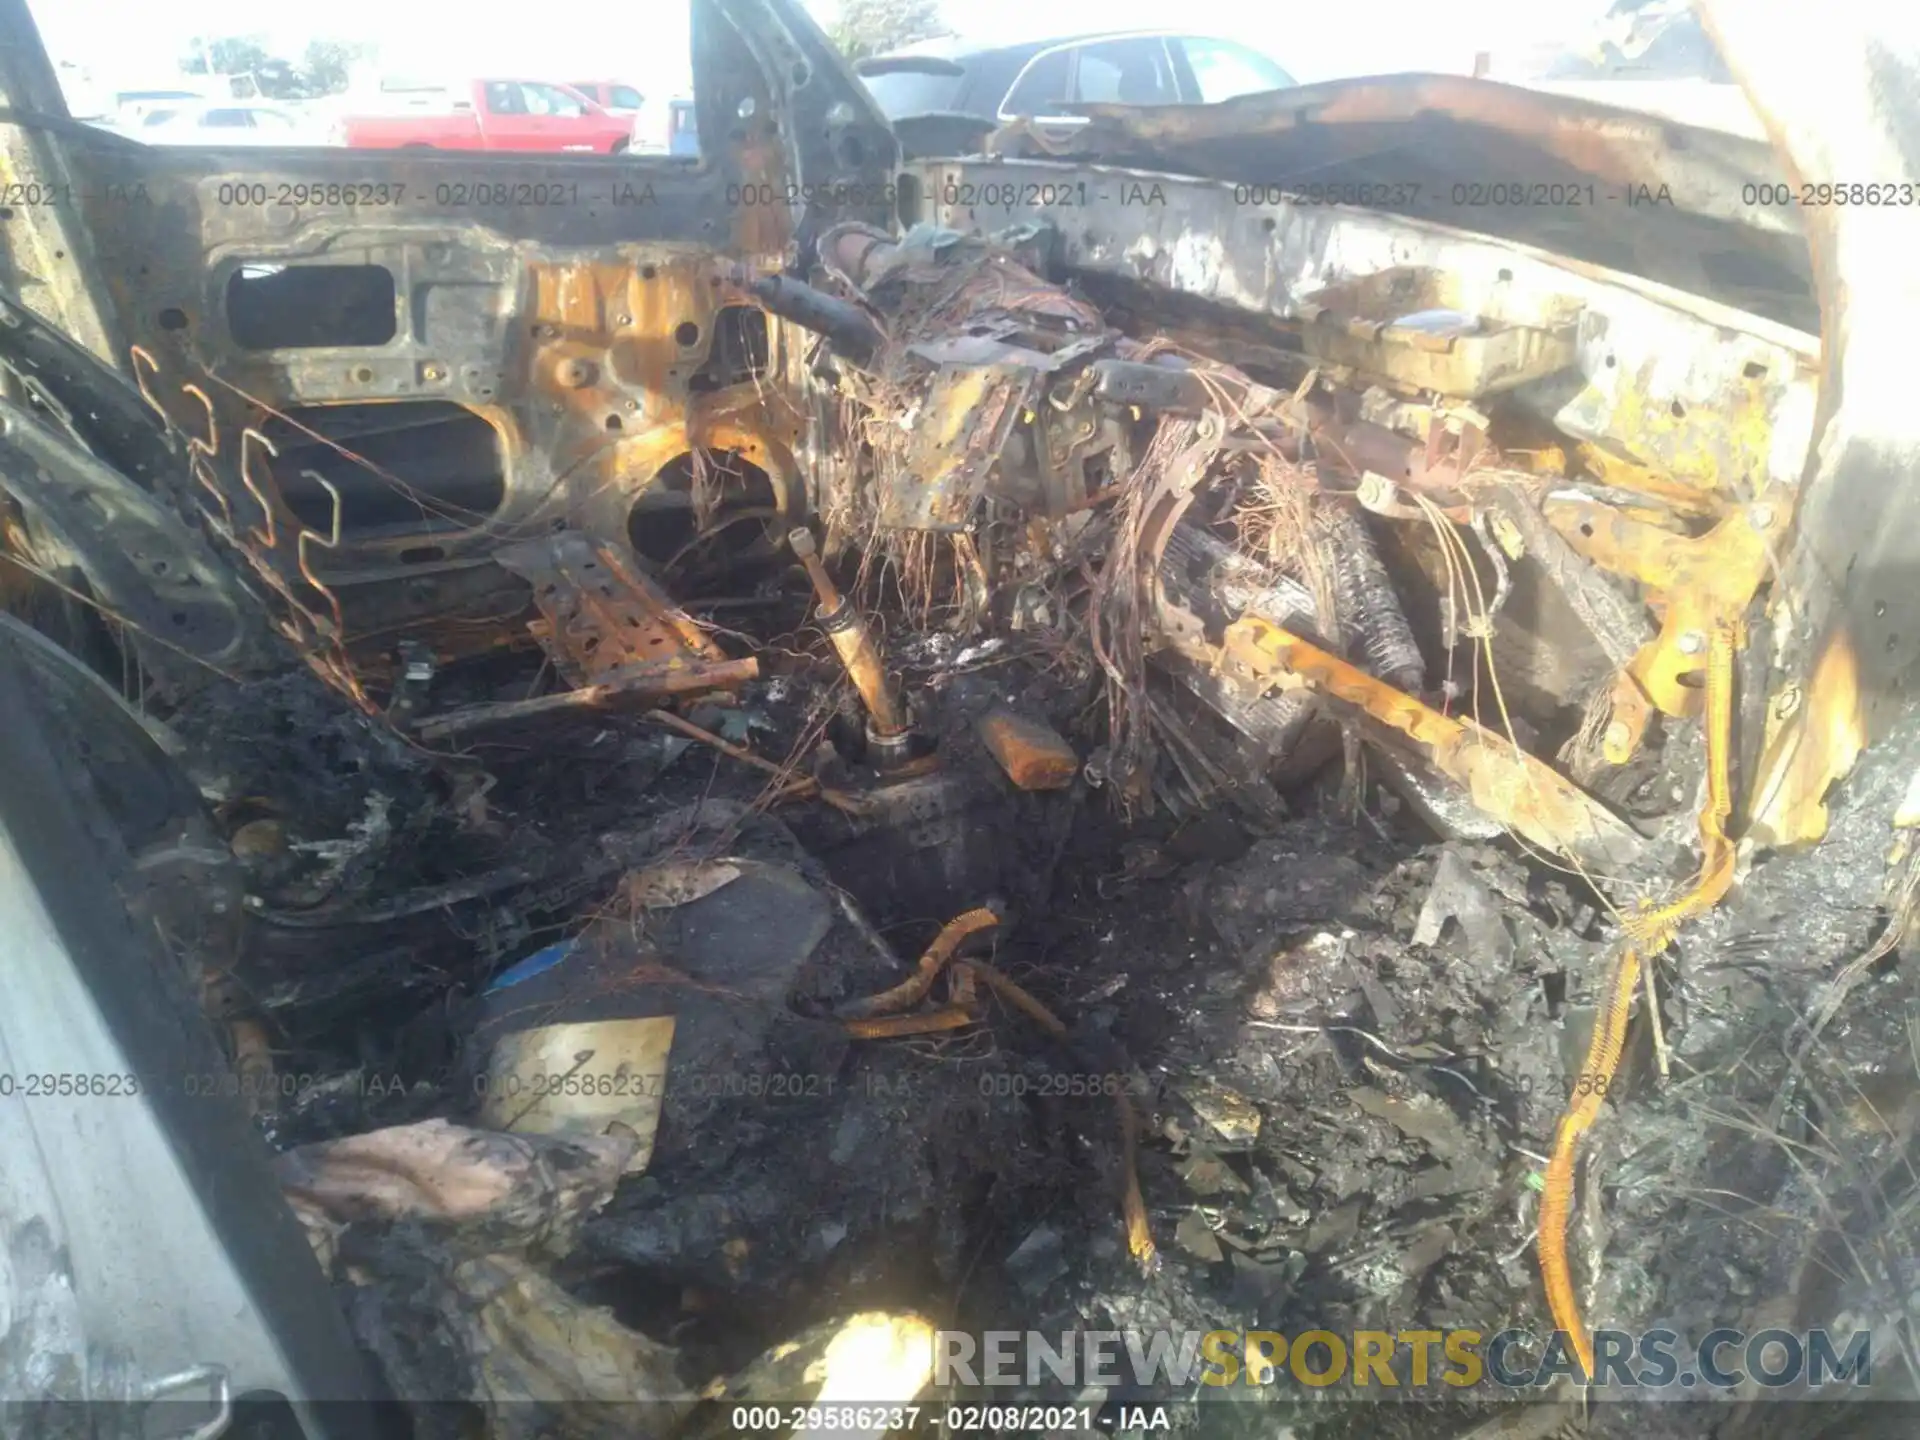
(633, 405)
(1762, 517)
(1618, 736)
(574, 373)
(433, 372)
(1692, 642)
(623, 319)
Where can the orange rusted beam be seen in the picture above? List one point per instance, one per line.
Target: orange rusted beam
(1706, 582)
(1518, 789)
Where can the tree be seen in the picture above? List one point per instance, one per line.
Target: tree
(228, 55)
(327, 66)
(324, 69)
(870, 27)
(279, 80)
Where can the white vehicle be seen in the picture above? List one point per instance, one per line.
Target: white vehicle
(130, 107)
(203, 122)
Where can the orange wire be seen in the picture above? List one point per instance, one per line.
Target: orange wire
(1652, 929)
(892, 1027)
(916, 986)
(1556, 1199)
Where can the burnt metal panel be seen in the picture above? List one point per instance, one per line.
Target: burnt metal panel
(1610, 186)
(1689, 386)
(570, 302)
(1838, 98)
(187, 612)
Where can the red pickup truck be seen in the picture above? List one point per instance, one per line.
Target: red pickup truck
(490, 115)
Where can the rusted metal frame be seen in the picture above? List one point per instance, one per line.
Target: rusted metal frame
(966, 421)
(320, 643)
(427, 236)
(1637, 325)
(1706, 585)
(606, 628)
(834, 139)
(1522, 791)
(177, 178)
(1817, 734)
(1828, 94)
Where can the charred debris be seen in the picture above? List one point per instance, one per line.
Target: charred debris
(1164, 813)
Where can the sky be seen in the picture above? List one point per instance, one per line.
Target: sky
(126, 42)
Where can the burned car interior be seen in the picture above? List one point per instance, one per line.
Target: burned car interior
(1269, 716)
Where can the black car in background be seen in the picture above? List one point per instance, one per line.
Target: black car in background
(955, 87)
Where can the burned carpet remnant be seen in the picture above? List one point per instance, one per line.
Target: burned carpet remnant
(747, 793)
